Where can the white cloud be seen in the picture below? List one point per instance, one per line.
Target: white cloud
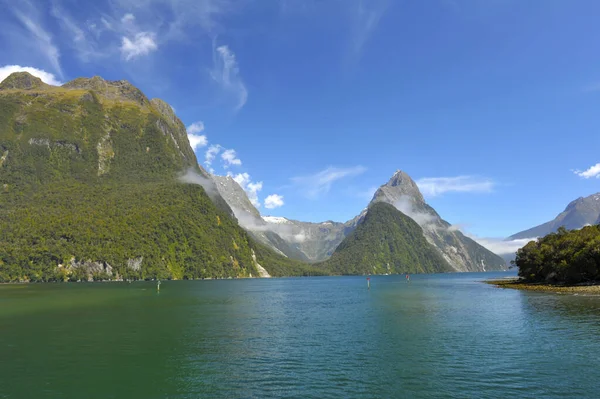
(432, 186)
(195, 128)
(230, 158)
(210, 155)
(274, 201)
(227, 74)
(46, 77)
(251, 188)
(143, 43)
(321, 182)
(196, 140)
(592, 171)
(424, 219)
(500, 246)
(42, 39)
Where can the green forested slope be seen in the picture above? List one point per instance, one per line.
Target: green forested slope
(386, 237)
(88, 180)
(567, 256)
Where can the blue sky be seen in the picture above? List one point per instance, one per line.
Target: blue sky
(491, 106)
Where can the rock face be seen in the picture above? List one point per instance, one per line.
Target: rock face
(461, 252)
(578, 213)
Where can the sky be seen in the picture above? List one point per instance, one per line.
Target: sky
(493, 107)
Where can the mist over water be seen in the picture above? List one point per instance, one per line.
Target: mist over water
(438, 336)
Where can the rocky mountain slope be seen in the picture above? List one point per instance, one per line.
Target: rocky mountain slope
(305, 241)
(461, 252)
(578, 213)
(316, 242)
(249, 218)
(386, 241)
(90, 186)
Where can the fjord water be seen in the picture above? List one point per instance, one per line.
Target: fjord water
(324, 337)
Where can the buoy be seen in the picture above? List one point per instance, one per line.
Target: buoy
(158, 286)
(369, 283)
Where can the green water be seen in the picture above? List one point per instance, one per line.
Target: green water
(437, 336)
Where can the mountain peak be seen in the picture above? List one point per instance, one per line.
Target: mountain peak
(22, 80)
(112, 89)
(399, 185)
(401, 178)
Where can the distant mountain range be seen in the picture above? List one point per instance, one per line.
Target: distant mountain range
(580, 212)
(316, 242)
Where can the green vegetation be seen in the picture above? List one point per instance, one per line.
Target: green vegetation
(387, 241)
(89, 190)
(567, 257)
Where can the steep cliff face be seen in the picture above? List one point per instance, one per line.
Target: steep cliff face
(461, 252)
(90, 171)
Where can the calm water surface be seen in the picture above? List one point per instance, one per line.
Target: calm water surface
(324, 337)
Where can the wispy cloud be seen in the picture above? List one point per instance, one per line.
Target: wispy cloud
(320, 183)
(46, 77)
(82, 39)
(28, 15)
(368, 15)
(274, 201)
(209, 156)
(592, 171)
(432, 186)
(226, 73)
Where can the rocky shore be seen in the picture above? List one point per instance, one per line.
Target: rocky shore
(518, 284)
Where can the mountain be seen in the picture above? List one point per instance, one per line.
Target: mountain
(386, 241)
(304, 241)
(93, 184)
(578, 213)
(249, 218)
(317, 241)
(461, 252)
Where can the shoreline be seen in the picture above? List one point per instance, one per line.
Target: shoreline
(517, 284)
